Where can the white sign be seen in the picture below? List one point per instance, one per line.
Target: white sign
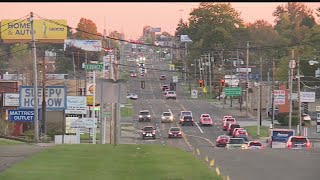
(11, 99)
(243, 70)
(307, 96)
(194, 94)
(76, 105)
(279, 97)
(87, 45)
(175, 79)
(55, 96)
(318, 128)
(68, 122)
(83, 123)
(155, 29)
(317, 108)
(185, 38)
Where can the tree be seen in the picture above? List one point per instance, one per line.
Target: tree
(182, 28)
(86, 29)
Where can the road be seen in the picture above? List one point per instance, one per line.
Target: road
(237, 164)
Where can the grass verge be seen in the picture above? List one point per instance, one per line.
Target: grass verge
(85, 136)
(127, 110)
(9, 142)
(252, 131)
(121, 162)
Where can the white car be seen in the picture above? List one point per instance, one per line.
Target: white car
(132, 96)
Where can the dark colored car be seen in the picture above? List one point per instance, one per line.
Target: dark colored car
(164, 87)
(187, 120)
(162, 77)
(175, 132)
(148, 132)
(144, 115)
(231, 128)
(222, 140)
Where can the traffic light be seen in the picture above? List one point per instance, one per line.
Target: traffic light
(305, 108)
(143, 85)
(222, 82)
(200, 83)
(247, 84)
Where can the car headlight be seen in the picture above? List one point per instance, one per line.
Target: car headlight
(149, 116)
(170, 132)
(243, 146)
(162, 117)
(140, 116)
(171, 117)
(143, 133)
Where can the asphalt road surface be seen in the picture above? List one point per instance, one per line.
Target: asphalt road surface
(267, 164)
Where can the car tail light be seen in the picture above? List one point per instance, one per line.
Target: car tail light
(289, 144)
(308, 144)
(261, 147)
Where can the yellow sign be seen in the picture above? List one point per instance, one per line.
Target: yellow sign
(90, 101)
(15, 29)
(204, 90)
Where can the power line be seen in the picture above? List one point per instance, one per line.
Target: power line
(15, 20)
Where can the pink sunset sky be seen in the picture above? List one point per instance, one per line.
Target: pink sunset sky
(130, 18)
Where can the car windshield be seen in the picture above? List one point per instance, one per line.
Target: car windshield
(163, 76)
(206, 119)
(205, 115)
(186, 113)
(299, 140)
(234, 126)
(144, 113)
(230, 119)
(175, 129)
(170, 92)
(187, 118)
(148, 128)
(236, 141)
(255, 144)
(166, 114)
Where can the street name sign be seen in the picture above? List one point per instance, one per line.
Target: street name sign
(235, 91)
(93, 67)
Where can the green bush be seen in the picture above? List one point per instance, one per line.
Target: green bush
(283, 119)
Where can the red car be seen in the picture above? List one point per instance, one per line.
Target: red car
(227, 122)
(175, 132)
(133, 75)
(164, 87)
(205, 119)
(162, 77)
(241, 134)
(235, 130)
(255, 145)
(224, 118)
(222, 140)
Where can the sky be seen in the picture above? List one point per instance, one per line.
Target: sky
(130, 18)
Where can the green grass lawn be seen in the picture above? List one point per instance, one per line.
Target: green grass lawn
(85, 136)
(9, 142)
(126, 111)
(107, 162)
(252, 131)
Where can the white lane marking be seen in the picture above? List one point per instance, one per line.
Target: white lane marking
(199, 128)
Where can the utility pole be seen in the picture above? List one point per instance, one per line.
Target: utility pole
(210, 77)
(35, 81)
(247, 81)
(185, 63)
(299, 100)
(273, 104)
(260, 101)
(74, 65)
(291, 66)
(44, 104)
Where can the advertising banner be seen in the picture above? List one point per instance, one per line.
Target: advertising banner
(56, 97)
(70, 130)
(76, 105)
(21, 115)
(307, 96)
(16, 29)
(11, 99)
(279, 97)
(87, 45)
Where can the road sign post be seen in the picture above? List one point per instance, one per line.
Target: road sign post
(235, 91)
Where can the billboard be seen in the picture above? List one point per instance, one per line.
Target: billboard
(185, 38)
(11, 99)
(70, 130)
(157, 29)
(87, 45)
(76, 105)
(307, 96)
(55, 97)
(14, 29)
(21, 115)
(279, 97)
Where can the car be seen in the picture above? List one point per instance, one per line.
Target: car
(224, 118)
(148, 132)
(142, 74)
(306, 117)
(175, 132)
(227, 122)
(165, 92)
(255, 145)
(164, 87)
(133, 75)
(171, 95)
(167, 117)
(236, 143)
(231, 128)
(298, 142)
(132, 96)
(162, 77)
(235, 130)
(187, 120)
(205, 121)
(184, 113)
(144, 115)
(205, 115)
(241, 134)
(222, 140)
